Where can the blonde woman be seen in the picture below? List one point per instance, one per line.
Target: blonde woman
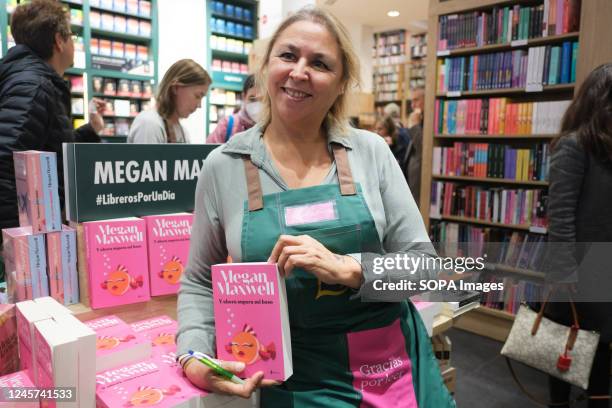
(353, 202)
(180, 94)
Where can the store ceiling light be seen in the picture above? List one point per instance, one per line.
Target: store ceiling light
(393, 13)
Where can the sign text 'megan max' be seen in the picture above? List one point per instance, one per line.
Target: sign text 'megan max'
(148, 171)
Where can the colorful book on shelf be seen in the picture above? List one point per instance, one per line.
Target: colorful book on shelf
(117, 343)
(56, 359)
(17, 380)
(9, 355)
(25, 264)
(117, 262)
(161, 332)
(251, 315)
(168, 249)
(37, 190)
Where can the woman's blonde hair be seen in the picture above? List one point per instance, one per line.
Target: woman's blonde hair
(185, 72)
(337, 115)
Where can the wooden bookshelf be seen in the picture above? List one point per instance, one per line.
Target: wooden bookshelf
(490, 180)
(593, 50)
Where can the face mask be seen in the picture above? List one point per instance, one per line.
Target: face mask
(253, 109)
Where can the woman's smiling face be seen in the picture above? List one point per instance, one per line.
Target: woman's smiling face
(304, 73)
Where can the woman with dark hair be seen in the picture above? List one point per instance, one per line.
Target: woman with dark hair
(244, 119)
(180, 94)
(580, 213)
(385, 127)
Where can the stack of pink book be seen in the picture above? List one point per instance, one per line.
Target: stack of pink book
(160, 331)
(62, 266)
(16, 381)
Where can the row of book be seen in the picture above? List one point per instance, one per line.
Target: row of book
(390, 44)
(493, 161)
(498, 244)
(222, 43)
(498, 116)
(515, 292)
(222, 26)
(505, 206)
(116, 127)
(229, 66)
(140, 8)
(220, 96)
(507, 24)
(119, 49)
(231, 10)
(119, 24)
(106, 362)
(537, 66)
(122, 87)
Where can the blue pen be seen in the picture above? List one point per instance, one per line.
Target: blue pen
(210, 362)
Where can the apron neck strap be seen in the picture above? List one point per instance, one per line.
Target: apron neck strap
(345, 177)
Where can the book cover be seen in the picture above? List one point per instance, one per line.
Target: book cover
(168, 249)
(37, 190)
(251, 318)
(9, 354)
(18, 379)
(56, 360)
(161, 332)
(117, 262)
(117, 343)
(25, 263)
(62, 265)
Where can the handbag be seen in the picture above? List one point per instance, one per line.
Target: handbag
(564, 352)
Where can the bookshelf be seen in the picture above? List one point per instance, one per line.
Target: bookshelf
(391, 56)
(417, 66)
(115, 58)
(231, 31)
(473, 42)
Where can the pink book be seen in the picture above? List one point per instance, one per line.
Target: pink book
(25, 262)
(251, 318)
(168, 247)
(9, 354)
(28, 313)
(117, 343)
(161, 332)
(117, 262)
(37, 190)
(145, 383)
(62, 266)
(19, 379)
(56, 360)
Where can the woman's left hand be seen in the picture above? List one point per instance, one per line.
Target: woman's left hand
(303, 251)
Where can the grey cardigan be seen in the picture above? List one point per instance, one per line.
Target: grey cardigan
(219, 200)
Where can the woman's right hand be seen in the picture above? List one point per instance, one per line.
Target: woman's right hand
(205, 378)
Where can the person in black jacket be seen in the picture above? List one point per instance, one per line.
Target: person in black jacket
(34, 99)
(580, 223)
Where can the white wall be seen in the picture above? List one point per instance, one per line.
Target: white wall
(182, 34)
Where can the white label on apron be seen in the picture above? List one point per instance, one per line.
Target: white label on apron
(311, 213)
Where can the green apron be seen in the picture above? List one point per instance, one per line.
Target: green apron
(345, 353)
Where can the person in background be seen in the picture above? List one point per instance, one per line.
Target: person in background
(35, 107)
(385, 127)
(579, 214)
(180, 94)
(302, 154)
(244, 119)
(411, 164)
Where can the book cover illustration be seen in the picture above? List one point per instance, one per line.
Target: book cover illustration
(145, 383)
(117, 343)
(251, 319)
(161, 332)
(168, 248)
(117, 262)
